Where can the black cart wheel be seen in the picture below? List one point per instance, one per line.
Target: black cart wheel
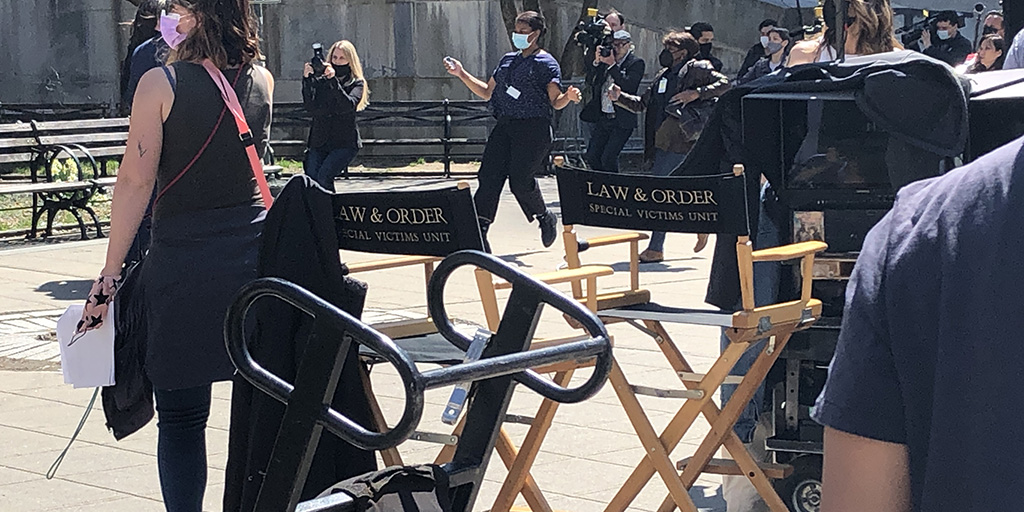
(802, 490)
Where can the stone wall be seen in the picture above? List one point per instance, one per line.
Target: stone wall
(70, 50)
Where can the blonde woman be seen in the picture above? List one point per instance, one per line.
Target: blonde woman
(333, 96)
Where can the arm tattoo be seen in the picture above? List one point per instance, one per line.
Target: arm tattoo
(142, 151)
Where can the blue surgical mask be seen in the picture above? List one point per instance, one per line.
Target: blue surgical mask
(943, 34)
(521, 41)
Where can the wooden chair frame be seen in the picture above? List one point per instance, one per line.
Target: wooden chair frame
(517, 460)
(775, 322)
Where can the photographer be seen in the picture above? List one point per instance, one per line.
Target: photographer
(612, 125)
(678, 103)
(591, 37)
(952, 47)
(333, 92)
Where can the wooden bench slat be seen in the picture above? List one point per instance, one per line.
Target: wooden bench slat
(15, 142)
(31, 188)
(15, 128)
(17, 158)
(84, 124)
(83, 138)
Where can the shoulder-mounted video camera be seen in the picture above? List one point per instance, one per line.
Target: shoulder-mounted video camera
(594, 35)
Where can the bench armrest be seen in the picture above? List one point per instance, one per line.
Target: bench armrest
(790, 251)
(400, 261)
(565, 276)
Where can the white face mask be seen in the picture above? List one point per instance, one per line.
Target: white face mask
(943, 34)
(764, 41)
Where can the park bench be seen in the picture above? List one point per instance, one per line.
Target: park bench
(429, 129)
(91, 144)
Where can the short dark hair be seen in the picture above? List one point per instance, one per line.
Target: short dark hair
(622, 19)
(533, 19)
(782, 32)
(683, 41)
(767, 23)
(948, 16)
(698, 29)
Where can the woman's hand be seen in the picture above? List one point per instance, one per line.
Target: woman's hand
(614, 92)
(97, 305)
(307, 70)
(685, 97)
(453, 67)
(328, 71)
(573, 94)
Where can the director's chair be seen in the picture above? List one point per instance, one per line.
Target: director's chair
(700, 204)
(418, 228)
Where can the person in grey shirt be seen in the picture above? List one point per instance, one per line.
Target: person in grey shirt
(1015, 57)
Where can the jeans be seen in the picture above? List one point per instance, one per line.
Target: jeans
(605, 145)
(181, 446)
(324, 165)
(766, 291)
(664, 163)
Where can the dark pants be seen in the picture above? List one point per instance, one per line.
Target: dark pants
(606, 142)
(516, 150)
(323, 165)
(181, 446)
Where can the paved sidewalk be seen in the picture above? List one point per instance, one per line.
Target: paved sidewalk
(590, 450)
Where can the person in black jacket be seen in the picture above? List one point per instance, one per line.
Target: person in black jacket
(777, 49)
(333, 97)
(758, 51)
(613, 125)
(952, 47)
(704, 33)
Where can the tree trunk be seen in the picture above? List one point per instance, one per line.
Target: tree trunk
(572, 56)
(508, 14)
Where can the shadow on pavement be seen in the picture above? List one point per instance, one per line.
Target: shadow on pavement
(707, 503)
(66, 290)
(623, 266)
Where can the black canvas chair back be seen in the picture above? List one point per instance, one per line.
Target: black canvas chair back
(413, 223)
(505, 361)
(676, 204)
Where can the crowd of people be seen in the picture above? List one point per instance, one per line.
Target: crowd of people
(186, 169)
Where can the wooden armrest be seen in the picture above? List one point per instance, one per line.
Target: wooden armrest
(615, 239)
(400, 261)
(789, 252)
(565, 276)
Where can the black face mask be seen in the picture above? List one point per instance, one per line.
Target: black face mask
(989, 29)
(665, 58)
(705, 49)
(343, 70)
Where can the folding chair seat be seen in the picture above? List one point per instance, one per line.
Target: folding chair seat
(693, 204)
(445, 222)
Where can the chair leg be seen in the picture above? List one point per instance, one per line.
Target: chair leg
(721, 432)
(81, 222)
(657, 452)
(530, 490)
(677, 427)
(391, 456)
(519, 470)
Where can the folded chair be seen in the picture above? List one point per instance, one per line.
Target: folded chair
(699, 204)
(419, 227)
(505, 360)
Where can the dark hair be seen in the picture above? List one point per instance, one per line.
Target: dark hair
(767, 23)
(1000, 44)
(533, 19)
(782, 32)
(683, 41)
(622, 19)
(144, 28)
(949, 17)
(225, 33)
(698, 29)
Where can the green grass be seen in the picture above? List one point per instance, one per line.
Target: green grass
(16, 209)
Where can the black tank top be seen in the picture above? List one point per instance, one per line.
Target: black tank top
(222, 176)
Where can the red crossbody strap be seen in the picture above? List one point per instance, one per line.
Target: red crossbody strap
(231, 100)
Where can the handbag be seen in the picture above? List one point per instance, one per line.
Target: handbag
(691, 117)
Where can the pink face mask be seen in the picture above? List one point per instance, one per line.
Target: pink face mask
(169, 29)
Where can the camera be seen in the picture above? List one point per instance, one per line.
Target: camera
(594, 35)
(318, 62)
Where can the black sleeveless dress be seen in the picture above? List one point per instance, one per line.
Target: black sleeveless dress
(206, 226)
